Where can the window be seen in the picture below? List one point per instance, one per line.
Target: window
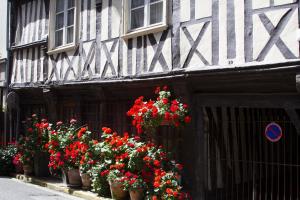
(144, 16)
(63, 24)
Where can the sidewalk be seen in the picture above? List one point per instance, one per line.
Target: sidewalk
(57, 185)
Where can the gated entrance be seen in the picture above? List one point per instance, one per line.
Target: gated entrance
(239, 161)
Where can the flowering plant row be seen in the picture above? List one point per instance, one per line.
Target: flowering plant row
(138, 165)
(148, 115)
(134, 164)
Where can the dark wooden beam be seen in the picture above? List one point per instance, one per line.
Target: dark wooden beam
(51, 103)
(294, 117)
(290, 101)
(42, 42)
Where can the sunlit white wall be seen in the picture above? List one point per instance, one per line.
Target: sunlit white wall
(3, 27)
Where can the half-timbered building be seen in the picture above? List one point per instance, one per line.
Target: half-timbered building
(235, 62)
(3, 69)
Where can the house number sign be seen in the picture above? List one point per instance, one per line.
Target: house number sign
(273, 132)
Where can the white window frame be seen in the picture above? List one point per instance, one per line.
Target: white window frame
(147, 28)
(52, 49)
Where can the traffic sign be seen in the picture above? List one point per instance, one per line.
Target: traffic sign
(273, 132)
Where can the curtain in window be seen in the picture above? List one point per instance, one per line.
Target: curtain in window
(156, 11)
(137, 13)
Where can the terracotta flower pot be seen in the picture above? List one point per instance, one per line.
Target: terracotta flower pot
(27, 169)
(136, 194)
(74, 178)
(86, 181)
(117, 191)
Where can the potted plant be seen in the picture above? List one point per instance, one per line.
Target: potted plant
(111, 154)
(27, 147)
(72, 161)
(166, 186)
(7, 154)
(87, 156)
(100, 184)
(41, 159)
(135, 184)
(116, 183)
(148, 115)
(63, 148)
(56, 150)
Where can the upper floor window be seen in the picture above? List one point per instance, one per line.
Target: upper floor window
(143, 16)
(63, 24)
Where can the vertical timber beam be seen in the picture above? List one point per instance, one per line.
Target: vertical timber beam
(101, 96)
(231, 35)
(215, 32)
(98, 36)
(190, 140)
(248, 37)
(176, 34)
(200, 160)
(294, 117)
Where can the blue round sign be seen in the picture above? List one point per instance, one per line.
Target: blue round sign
(273, 132)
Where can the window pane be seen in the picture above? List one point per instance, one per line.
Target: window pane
(156, 13)
(70, 17)
(59, 21)
(137, 18)
(71, 3)
(151, 1)
(70, 35)
(59, 5)
(137, 3)
(58, 38)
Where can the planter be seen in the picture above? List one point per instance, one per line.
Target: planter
(117, 191)
(74, 178)
(136, 194)
(86, 181)
(41, 161)
(27, 169)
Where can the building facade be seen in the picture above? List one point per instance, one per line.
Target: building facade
(3, 69)
(235, 62)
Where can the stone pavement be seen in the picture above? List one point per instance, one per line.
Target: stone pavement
(57, 185)
(13, 189)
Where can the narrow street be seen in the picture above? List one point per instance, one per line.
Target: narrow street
(11, 189)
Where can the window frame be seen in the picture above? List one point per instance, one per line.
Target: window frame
(52, 49)
(146, 29)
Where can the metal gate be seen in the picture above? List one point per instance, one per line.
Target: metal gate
(240, 163)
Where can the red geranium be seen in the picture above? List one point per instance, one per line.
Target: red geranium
(147, 115)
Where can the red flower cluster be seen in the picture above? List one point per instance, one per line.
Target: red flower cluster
(63, 146)
(16, 159)
(81, 132)
(35, 139)
(150, 114)
(137, 165)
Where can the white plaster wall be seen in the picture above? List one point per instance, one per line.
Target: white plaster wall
(203, 9)
(3, 22)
